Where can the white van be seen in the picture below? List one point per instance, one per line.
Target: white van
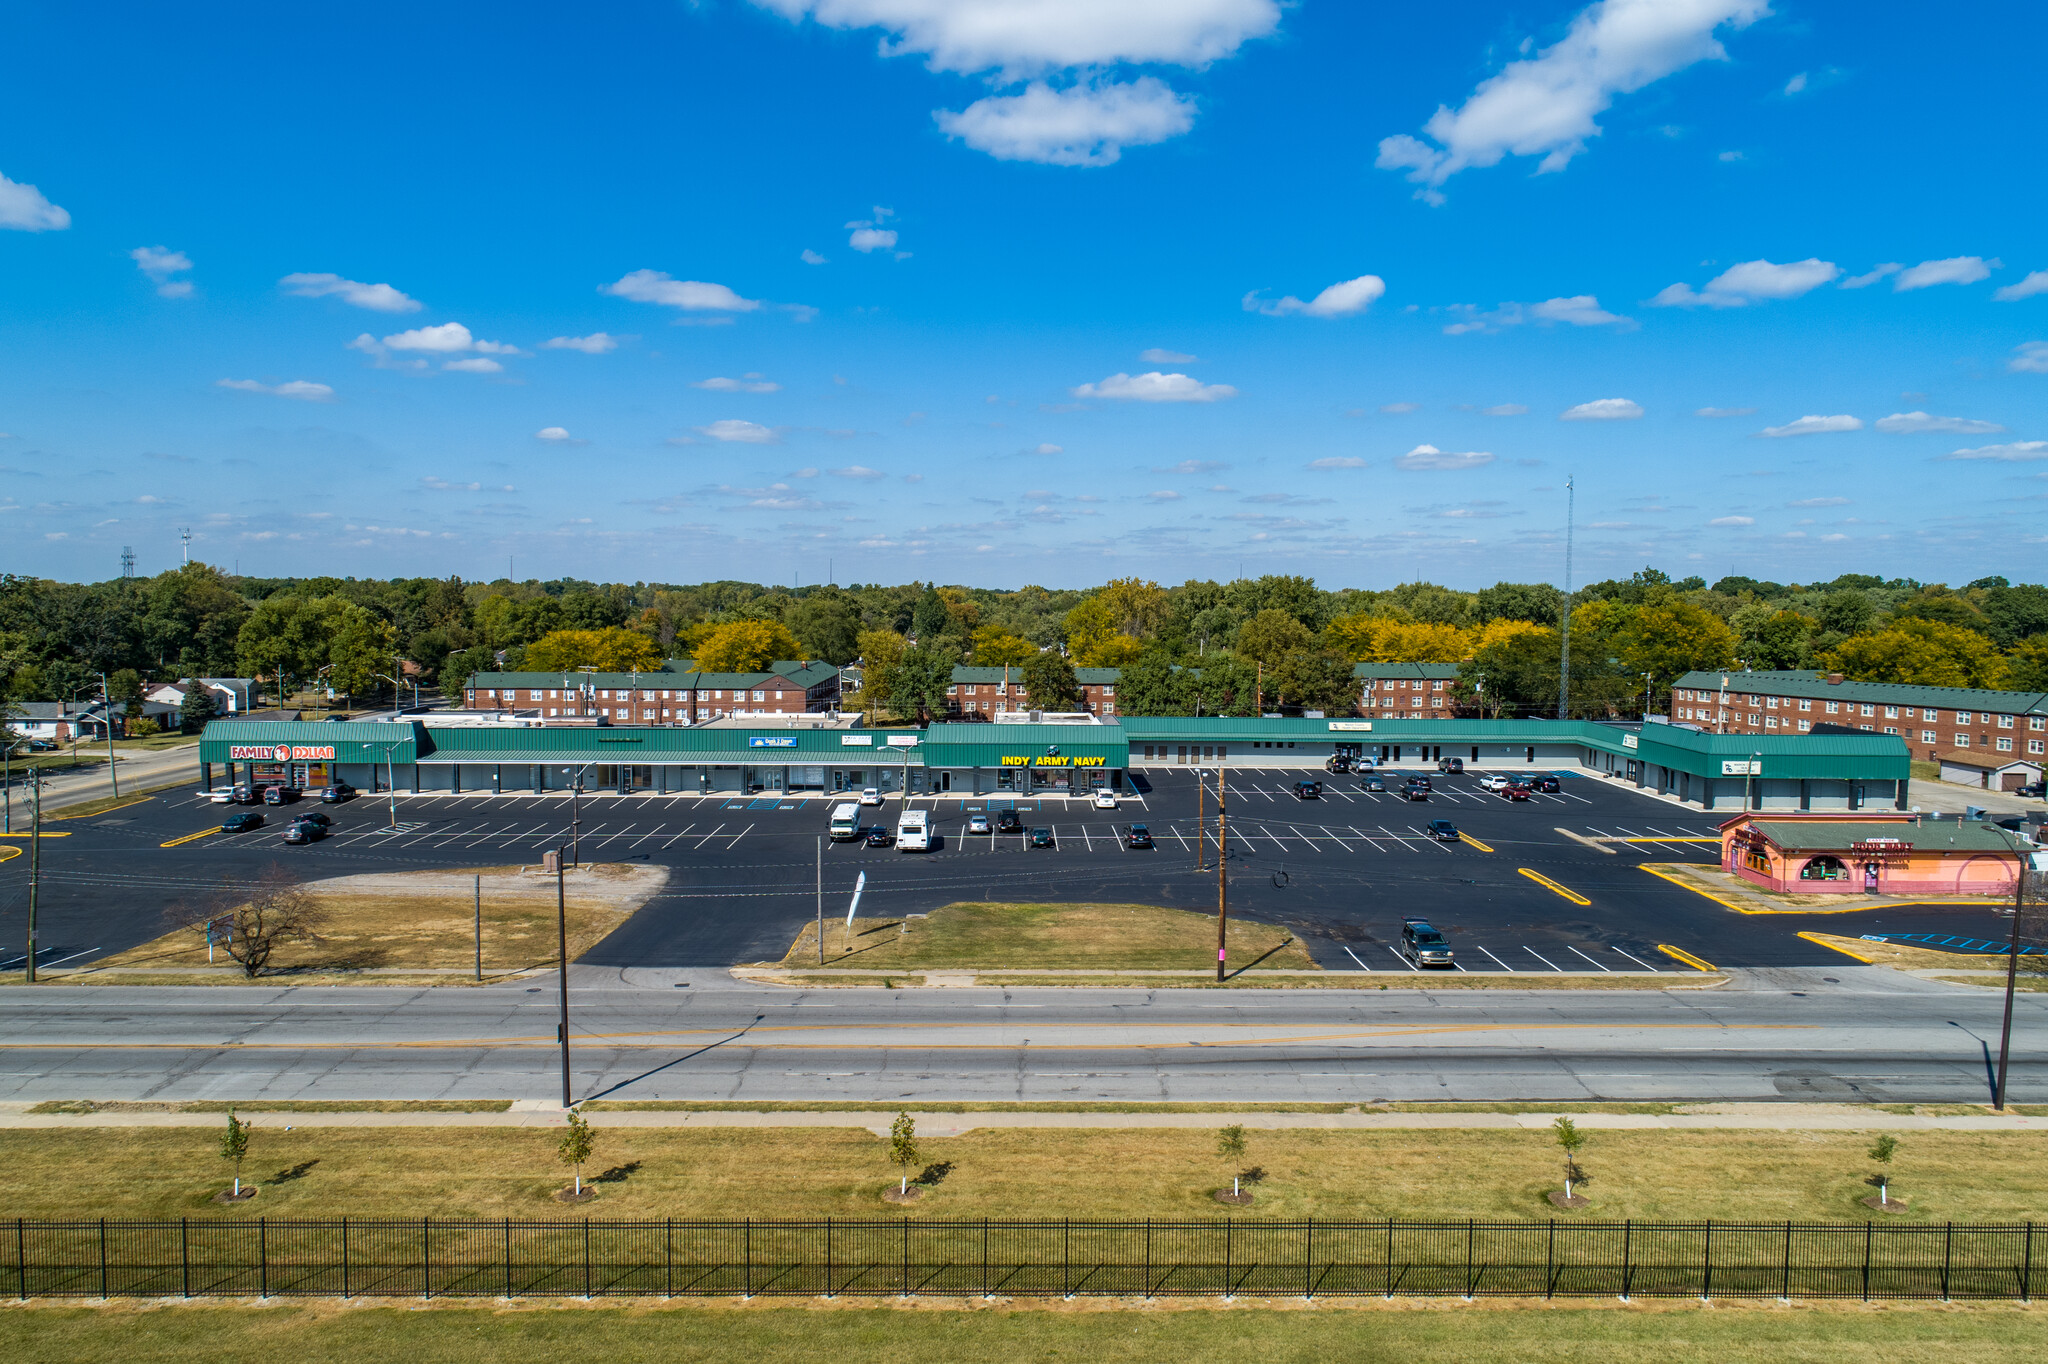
(914, 831)
(845, 822)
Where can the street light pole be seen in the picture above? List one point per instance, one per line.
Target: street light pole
(2021, 862)
(562, 941)
(35, 863)
(112, 776)
(1222, 881)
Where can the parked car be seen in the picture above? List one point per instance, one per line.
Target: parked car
(1443, 831)
(1105, 800)
(1422, 780)
(2033, 790)
(222, 795)
(301, 832)
(1138, 836)
(279, 795)
(1493, 781)
(319, 817)
(1338, 762)
(1374, 784)
(1042, 838)
(1547, 781)
(1515, 790)
(879, 837)
(242, 823)
(248, 795)
(1450, 764)
(1007, 822)
(1415, 791)
(337, 793)
(870, 796)
(977, 824)
(1308, 790)
(1423, 945)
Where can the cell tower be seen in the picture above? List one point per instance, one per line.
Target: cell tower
(185, 534)
(127, 561)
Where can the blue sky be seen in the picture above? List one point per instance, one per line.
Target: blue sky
(1009, 291)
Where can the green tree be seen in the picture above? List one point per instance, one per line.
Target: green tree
(1882, 1150)
(1230, 1146)
(880, 653)
(2028, 665)
(1537, 603)
(459, 667)
(1921, 652)
(610, 649)
(575, 1148)
(826, 626)
(360, 647)
(1271, 635)
(1313, 680)
(2014, 613)
(197, 708)
(1152, 685)
(930, 619)
(903, 1152)
(921, 680)
(234, 1146)
(1571, 1141)
(1049, 682)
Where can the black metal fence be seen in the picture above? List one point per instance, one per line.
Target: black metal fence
(492, 1259)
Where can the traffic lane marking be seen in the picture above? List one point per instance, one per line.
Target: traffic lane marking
(173, 843)
(1540, 879)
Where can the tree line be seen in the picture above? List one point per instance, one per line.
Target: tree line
(1275, 641)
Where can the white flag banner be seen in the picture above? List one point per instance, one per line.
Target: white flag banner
(858, 887)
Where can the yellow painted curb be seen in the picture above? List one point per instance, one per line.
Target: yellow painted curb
(95, 814)
(6, 853)
(1544, 881)
(1800, 909)
(48, 833)
(189, 838)
(1688, 958)
(1467, 838)
(1815, 938)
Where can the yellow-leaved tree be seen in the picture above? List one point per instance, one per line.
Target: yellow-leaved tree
(1925, 653)
(610, 650)
(995, 647)
(745, 646)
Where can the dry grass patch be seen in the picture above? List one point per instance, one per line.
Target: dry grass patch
(412, 1172)
(423, 921)
(2033, 969)
(1023, 937)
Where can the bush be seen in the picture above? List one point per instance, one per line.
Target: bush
(144, 727)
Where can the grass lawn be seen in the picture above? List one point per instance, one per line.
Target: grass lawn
(425, 921)
(763, 1333)
(412, 1172)
(1024, 937)
(2033, 973)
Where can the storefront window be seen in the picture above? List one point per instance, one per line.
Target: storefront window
(1824, 869)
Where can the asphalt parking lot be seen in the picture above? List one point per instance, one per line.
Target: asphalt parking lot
(1526, 889)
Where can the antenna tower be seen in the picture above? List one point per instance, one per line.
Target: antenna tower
(185, 534)
(127, 561)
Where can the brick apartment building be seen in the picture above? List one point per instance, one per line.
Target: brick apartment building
(1407, 691)
(676, 694)
(1994, 738)
(979, 693)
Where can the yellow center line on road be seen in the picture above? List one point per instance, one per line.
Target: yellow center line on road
(190, 838)
(1544, 881)
(1467, 838)
(1688, 958)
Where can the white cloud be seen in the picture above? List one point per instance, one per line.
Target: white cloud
(748, 383)
(160, 264)
(1018, 39)
(811, 257)
(1903, 423)
(558, 435)
(1345, 299)
(857, 471)
(1165, 495)
(597, 343)
(1814, 426)
(1193, 466)
(1156, 356)
(872, 238)
(1081, 125)
(652, 286)
(2034, 283)
(1155, 387)
(380, 298)
(1733, 521)
(1954, 270)
(1429, 457)
(475, 364)
(1864, 281)
(1547, 105)
(1581, 310)
(2013, 452)
(1504, 410)
(1820, 502)
(447, 338)
(2031, 358)
(1049, 449)
(1749, 282)
(1399, 409)
(744, 432)
(1724, 411)
(1796, 84)
(1602, 410)
(23, 208)
(1338, 462)
(303, 390)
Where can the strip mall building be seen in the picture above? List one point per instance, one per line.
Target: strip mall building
(799, 753)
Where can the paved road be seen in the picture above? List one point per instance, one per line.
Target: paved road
(1846, 1034)
(137, 769)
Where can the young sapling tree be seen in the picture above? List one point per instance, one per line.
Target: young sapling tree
(1571, 1140)
(234, 1146)
(577, 1144)
(903, 1150)
(1882, 1150)
(1230, 1147)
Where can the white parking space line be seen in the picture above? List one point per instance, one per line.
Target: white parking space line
(1355, 957)
(620, 834)
(522, 837)
(738, 836)
(655, 832)
(1368, 838)
(1175, 831)
(1503, 965)
(487, 837)
(1545, 960)
(1333, 838)
(1404, 961)
(708, 837)
(1402, 839)
(1086, 839)
(1637, 960)
(685, 831)
(1575, 951)
(1434, 843)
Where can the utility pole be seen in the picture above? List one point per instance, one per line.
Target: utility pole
(1564, 670)
(562, 939)
(2012, 968)
(112, 775)
(1222, 882)
(35, 862)
(821, 900)
(479, 929)
(1201, 821)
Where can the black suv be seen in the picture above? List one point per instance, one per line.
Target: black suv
(1423, 945)
(1007, 822)
(1340, 762)
(1138, 836)
(1449, 765)
(1308, 790)
(1545, 781)
(1416, 789)
(878, 837)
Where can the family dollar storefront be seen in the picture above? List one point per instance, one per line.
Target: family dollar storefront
(306, 756)
(1024, 759)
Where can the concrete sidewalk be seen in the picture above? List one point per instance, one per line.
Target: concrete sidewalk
(542, 1113)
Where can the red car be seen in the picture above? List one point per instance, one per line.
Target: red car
(1515, 791)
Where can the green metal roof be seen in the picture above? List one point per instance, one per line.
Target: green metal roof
(1827, 835)
(1804, 683)
(353, 741)
(988, 745)
(649, 744)
(1426, 671)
